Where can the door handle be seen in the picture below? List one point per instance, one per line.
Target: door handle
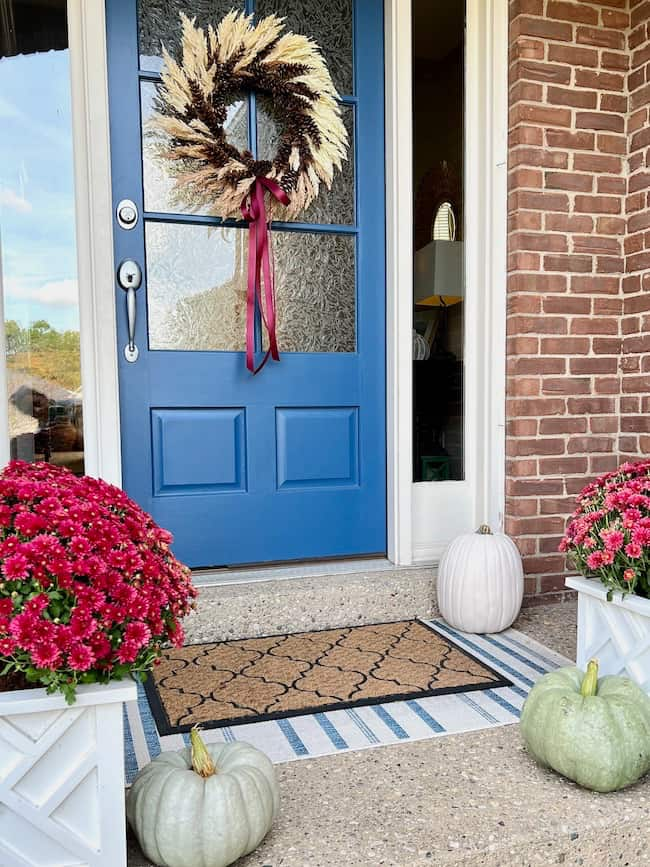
(129, 276)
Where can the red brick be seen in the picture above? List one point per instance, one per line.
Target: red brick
(573, 55)
(571, 181)
(598, 204)
(611, 144)
(572, 264)
(543, 29)
(600, 120)
(577, 12)
(596, 285)
(594, 325)
(566, 385)
(599, 80)
(614, 60)
(553, 73)
(569, 424)
(597, 163)
(524, 112)
(564, 346)
(599, 38)
(579, 445)
(537, 283)
(561, 138)
(568, 223)
(573, 98)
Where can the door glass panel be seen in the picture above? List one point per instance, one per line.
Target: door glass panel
(438, 68)
(38, 256)
(328, 23)
(158, 195)
(196, 287)
(159, 22)
(315, 277)
(331, 206)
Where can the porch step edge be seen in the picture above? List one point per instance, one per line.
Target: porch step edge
(249, 610)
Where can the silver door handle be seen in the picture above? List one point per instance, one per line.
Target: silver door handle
(129, 276)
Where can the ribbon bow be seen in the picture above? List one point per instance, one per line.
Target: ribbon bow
(253, 209)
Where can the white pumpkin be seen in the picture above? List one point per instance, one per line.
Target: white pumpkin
(205, 806)
(480, 582)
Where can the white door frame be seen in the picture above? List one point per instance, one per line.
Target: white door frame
(421, 517)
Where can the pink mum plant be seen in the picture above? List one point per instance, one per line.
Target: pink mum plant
(89, 588)
(608, 536)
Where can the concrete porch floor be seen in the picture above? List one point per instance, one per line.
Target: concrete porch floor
(472, 799)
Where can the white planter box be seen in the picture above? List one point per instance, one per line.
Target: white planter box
(62, 778)
(616, 633)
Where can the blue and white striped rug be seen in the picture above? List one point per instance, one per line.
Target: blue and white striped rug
(520, 658)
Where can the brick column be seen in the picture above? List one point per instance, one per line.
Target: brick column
(567, 197)
(635, 360)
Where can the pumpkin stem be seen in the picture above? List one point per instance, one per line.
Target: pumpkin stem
(202, 762)
(590, 681)
(484, 530)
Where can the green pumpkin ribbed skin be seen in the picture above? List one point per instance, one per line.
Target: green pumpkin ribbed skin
(602, 742)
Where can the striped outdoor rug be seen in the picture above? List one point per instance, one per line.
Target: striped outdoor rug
(517, 657)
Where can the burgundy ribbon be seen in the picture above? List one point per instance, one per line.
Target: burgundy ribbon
(253, 209)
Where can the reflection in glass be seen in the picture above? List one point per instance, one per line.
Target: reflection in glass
(315, 277)
(158, 194)
(329, 24)
(38, 269)
(331, 206)
(196, 287)
(159, 22)
(438, 255)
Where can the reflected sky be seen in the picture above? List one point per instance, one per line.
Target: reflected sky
(37, 221)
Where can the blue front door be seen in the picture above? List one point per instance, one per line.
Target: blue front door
(289, 464)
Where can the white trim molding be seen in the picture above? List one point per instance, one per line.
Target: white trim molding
(93, 203)
(423, 517)
(399, 279)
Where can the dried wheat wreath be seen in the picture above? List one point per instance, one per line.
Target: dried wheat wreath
(212, 71)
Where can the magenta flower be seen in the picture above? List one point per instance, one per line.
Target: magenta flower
(104, 588)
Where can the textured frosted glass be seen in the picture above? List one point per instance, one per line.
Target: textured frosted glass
(157, 183)
(196, 287)
(328, 23)
(331, 206)
(315, 292)
(159, 21)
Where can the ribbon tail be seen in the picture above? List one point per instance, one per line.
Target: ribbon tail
(260, 271)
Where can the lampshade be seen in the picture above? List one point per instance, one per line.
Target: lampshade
(438, 278)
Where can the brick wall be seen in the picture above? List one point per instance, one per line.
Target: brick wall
(635, 359)
(567, 312)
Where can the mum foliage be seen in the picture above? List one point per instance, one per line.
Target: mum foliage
(608, 536)
(88, 587)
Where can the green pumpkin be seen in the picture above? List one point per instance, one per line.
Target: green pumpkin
(595, 732)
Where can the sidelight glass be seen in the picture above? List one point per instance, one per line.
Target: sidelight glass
(438, 68)
(38, 263)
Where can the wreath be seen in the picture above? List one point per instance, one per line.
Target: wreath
(191, 108)
(212, 72)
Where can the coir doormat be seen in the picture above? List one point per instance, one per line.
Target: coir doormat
(255, 679)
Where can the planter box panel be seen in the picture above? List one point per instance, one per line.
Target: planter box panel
(617, 633)
(62, 781)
